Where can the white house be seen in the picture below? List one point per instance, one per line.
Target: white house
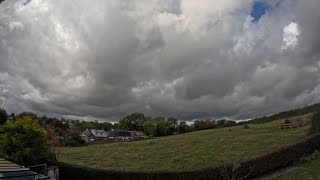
(94, 135)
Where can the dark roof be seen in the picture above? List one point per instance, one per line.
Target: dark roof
(119, 130)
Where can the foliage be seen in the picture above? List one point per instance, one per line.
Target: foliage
(246, 126)
(201, 125)
(161, 126)
(233, 173)
(53, 136)
(3, 116)
(287, 121)
(288, 114)
(133, 122)
(25, 142)
(183, 127)
(172, 125)
(73, 140)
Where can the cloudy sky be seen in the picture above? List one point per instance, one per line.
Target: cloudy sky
(187, 59)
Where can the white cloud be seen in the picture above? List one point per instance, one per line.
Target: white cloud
(290, 36)
(184, 58)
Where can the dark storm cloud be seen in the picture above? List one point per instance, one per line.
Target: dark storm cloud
(180, 58)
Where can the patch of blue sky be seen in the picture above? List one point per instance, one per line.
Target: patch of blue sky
(258, 10)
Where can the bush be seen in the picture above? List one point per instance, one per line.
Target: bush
(287, 121)
(3, 116)
(73, 140)
(246, 126)
(25, 142)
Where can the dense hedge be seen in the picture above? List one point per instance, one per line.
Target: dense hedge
(281, 158)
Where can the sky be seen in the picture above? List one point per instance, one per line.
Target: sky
(187, 59)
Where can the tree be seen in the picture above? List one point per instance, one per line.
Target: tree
(161, 128)
(172, 124)
(149, 126)
(53, 136)
(3, 116)
(183, 127)
(133, 122)
(25, 142)
(73, 140)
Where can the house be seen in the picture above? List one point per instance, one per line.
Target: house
(119, 134)
(90, 135)
(138, 135)
(9, 170)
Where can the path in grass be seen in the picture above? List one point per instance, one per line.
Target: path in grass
(186, 151)
(308, 171)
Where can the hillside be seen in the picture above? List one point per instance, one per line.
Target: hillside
(187, 151)
(287, 114)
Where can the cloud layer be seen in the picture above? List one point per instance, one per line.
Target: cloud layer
(182, 58)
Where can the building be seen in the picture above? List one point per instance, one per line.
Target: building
(90, 135)
(138, 135)
(9, 170)
(119, 134)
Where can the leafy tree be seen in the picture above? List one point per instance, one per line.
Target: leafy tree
(161, 128)
(73, 140)
(149, 126)
(183, 127)
(25, 142)
(3, 116)
(133, 122)
(28, 114)
(53, 136)
(172, 125)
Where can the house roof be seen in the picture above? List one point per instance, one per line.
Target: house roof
(6, 166)
(99, 133)
(119, 130)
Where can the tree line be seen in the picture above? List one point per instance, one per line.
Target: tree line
(287, 114)
(66, 132)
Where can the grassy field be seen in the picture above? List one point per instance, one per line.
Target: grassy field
(186, 151)
(310, 170)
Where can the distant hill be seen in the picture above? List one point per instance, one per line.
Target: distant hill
(287, 114)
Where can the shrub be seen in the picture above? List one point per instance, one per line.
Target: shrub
(246, 126)
(25, 142)
(3, 116)
(287, 121)
(73, 140)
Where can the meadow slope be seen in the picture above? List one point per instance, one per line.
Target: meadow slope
(187, 151)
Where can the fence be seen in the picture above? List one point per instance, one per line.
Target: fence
(292, 125)
(51, 171)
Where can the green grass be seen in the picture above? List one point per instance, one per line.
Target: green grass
(186, 151)
(310, 170)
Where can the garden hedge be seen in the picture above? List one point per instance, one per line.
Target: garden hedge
(263, 165)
